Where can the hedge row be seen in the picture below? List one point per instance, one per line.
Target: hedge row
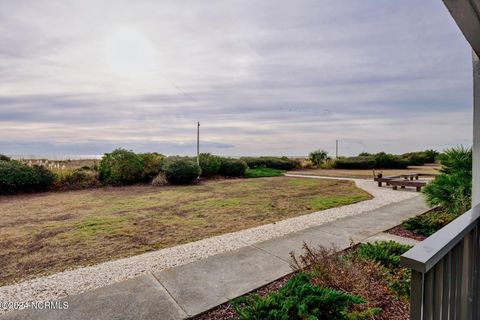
(16, 177)
(124, 167)
(281, 163)
(380, 160)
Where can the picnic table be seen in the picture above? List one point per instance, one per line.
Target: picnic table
(404, 180)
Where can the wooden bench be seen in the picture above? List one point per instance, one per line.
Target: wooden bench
(407, 183)
(404, 180)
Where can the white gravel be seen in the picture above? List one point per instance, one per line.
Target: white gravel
(83, 279)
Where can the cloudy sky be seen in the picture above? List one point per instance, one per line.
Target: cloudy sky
(264, 77)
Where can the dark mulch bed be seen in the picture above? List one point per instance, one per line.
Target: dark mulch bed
(399, 231)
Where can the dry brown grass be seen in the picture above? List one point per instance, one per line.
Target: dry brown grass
(366, 174)
(46, 233)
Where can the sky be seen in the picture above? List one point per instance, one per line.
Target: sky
(263, 77)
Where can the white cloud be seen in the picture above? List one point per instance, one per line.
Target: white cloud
(269, 77)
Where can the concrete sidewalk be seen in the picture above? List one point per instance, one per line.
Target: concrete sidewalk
(191, 289)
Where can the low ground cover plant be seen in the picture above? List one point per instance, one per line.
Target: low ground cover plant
(263, 172)
(387, 254)
(298, 299)
(429, 223)
(368, 279)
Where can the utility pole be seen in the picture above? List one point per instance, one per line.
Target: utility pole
(198, 143)
(336, 149)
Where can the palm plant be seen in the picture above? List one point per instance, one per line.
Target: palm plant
(452, 189)
(318, 157)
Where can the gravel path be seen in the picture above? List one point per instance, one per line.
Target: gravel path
(83, 279)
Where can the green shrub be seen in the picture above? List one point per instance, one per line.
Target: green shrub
(389, 161)
(16, 177)
(233, 167)
(4, 158)
(281, 163)
(121, 167)
(44, 178)
(398, 280)
(416, 158)
(152, 165)
(181, 171)
(431, 155)
(209, 164)
(78, 179)
(428, 223)
(387, 253)
(298, 299)
(263, 172)
(355, 163)
(365, 154)
(452, 189)
(318, 157)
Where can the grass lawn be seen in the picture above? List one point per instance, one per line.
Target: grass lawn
(263, 172)
(367, 174)
(51, 232)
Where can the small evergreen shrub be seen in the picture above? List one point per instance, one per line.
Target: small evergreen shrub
(121, 167)
(16, 177)
(4, 158)
(318, 157)
(209, 164)
(181, 171)
(298, 299)
(428, 223)
(233, 167)
(152, 165)
(355, 163)
(387, 253)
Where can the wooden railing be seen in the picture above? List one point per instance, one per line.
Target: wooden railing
(445, 271)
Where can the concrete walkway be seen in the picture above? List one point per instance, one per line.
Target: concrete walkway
(190, 289)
